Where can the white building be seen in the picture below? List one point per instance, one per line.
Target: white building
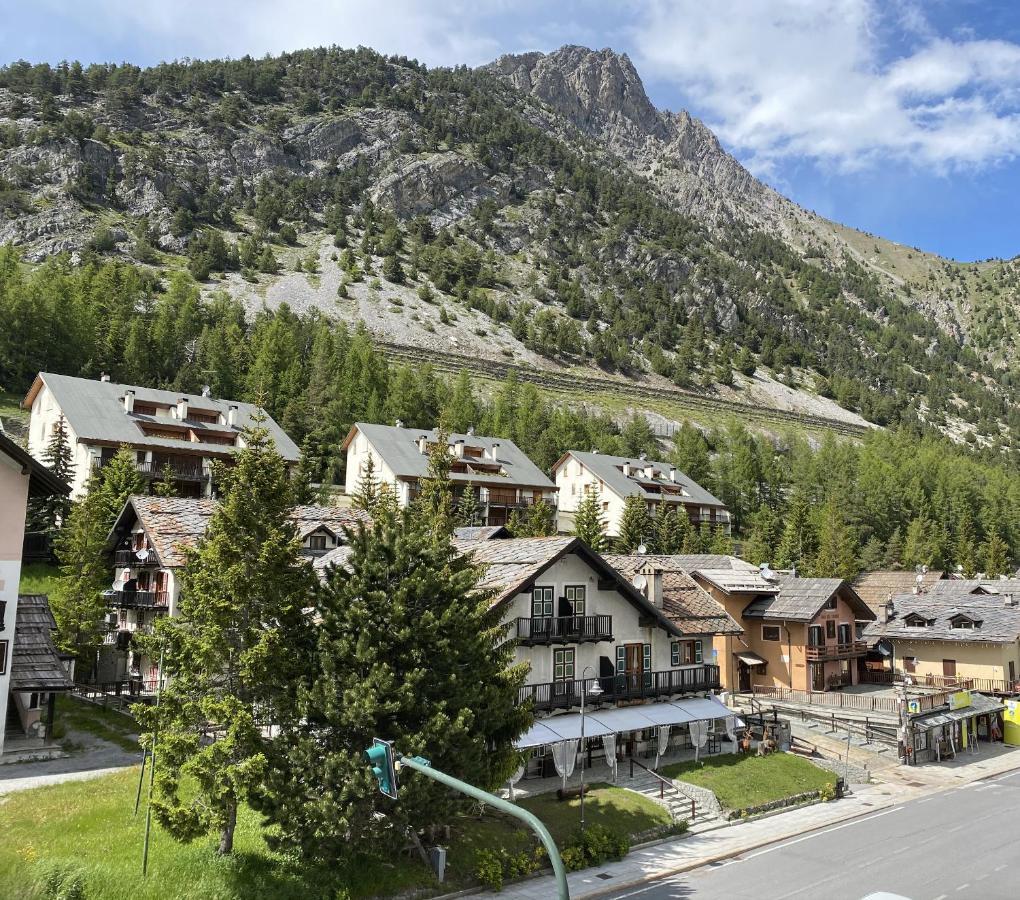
(31, 672)
(617, 477)
(148, 544)
(496, 470)
(184, 432)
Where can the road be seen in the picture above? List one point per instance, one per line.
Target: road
(961, 844)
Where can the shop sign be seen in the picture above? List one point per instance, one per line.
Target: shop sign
(959, 700)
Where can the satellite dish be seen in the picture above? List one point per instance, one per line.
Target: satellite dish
(642, 549)
(924, 570)
(640, 582)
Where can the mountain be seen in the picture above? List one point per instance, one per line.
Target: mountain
(539, 209)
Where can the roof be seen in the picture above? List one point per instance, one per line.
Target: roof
(95, 412)
(1000, 624)
(336, 557)
(684, 601)
(512, 565)
(874, 588)
(175, 524)
(961, 586)
(738, 581)
(609, 470)
(980, 705)
(35, 662)
(801, 599)
(41, 480)
(481, 532)
(398, 448)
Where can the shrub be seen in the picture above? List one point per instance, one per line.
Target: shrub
(62, 881)
(489, 869)
(493, 867)
(594, 847)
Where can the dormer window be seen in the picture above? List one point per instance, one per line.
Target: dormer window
(964, 621)
(916, 620)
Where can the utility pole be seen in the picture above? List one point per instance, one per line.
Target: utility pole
(906, 736)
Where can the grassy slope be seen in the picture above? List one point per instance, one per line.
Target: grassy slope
(110, 725)
(38, 578)
(740, 781)
(89, 825)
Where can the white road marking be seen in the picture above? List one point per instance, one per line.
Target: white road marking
(963, 887)
(926, 800)
(941, 897)
(998, 868)
(645, 890)
(808, 837)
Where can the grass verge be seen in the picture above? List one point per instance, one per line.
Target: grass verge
(115, 727)
(740, 781)
(87, 828)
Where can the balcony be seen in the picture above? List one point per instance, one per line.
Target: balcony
(137, 599)
(135, 558)
(844, 650)
(182, 469)
(617, 688)
(564, 630)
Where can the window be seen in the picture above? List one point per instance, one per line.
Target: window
(831, 602)
(3, 657)
(575, 597)
(144, 409)
(317, 542)
(910, 664)
(816, 637)
(844, 633)
(684, 653)
(33, 701)
(830, 630)
(770, 632)
(541, 602)
(646, 658)
(621, 660)
(3, 613)
(563, 664)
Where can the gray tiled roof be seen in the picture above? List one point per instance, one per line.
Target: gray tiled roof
(956, 587)
(608, 469)
(35, 663)
(801, 599)
(480, 532)
(738, 581)
(399, 449)
(874, 588)
(1000, 624)
(174, 524)
(689, 605)
(95, 411)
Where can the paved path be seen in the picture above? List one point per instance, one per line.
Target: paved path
(99, 758)
(656, 866)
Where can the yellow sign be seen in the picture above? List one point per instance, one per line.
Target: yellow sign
(959, 700)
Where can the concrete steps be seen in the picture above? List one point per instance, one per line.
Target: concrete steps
(678, 804)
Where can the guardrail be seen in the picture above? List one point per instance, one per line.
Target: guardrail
(859, 702)
(568, 693)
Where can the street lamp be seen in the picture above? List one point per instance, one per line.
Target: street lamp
(593, 691)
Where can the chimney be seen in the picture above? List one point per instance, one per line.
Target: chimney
(649, 471)
(182, 408)
(595, 451)
(495, 451)
(458, 448)
(653, 585)
(626, 469)
(231, 416)
(423, 445)
(643, 457)
(672, 474)
(885, 610)
(129, 401)
(471, 431)
(1008, 600)
(103, 376)
(206, 390)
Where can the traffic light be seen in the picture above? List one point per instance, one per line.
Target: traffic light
(380, 755)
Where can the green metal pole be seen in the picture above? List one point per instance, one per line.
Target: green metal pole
(152, 773)
(141, 779)
(529, 819)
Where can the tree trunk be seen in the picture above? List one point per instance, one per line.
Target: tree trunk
(227, 833)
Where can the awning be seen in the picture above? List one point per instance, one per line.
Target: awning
(537, 736)
(980, 706)
(704, 708)
(750, 659)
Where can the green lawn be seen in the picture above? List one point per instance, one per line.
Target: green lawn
(89, 826)
(110, 725)
(38, 578)
(741, 781)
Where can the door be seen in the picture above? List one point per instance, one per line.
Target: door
(744, 677)
(949, 668)
(635, 665)
(162, 581)
(818, 676)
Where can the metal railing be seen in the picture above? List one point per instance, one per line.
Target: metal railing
(567, 693)
(132, 558)
(137, 599)
(181, 470)
(945, 682)
(842, 700)
(663, 784)
(564, 629)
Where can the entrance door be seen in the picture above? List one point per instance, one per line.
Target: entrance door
(634, 665)
(818, 676)
(949, 668)
(744, 677)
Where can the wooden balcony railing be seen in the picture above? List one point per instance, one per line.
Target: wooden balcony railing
(135, 558)
(564, 630)
(832, 650)
(665, 683)
(137, 599)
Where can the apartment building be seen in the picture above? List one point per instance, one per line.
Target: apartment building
(501, 478)
(615, 478)
(168, 430)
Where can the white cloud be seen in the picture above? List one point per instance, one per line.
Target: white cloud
(822, 79)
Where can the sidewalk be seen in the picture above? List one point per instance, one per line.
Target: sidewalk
(892, 788)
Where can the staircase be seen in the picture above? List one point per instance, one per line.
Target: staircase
(666, 793)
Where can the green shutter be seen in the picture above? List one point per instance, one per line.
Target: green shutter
(674, 654)
(621, 660)
(648, 657)
(697, 652)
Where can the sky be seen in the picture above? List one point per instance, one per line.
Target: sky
(901, 118)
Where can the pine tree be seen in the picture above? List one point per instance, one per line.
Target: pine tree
(837, 545)
(167, 485)
(49, 513)
(672, 530)
(722, 543)
(965, 546)
(760, 546)
(234, 654)
(397, 628)
(537, 520)
(467, 507)
(796, 546)
(120, 480)
(893, 558)
(367, 495)
(920, 547)
(635, 524)
(994, 556)
(434, 506)
(589, 525)
(872, 555)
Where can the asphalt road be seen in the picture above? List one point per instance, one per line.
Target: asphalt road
(962, 844)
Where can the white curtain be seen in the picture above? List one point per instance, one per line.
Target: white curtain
(564, 757)
(731, 728)
(699, 735)
(517, 776)
(609, 746)
(660, 749)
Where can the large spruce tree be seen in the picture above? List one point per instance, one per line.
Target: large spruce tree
(408, 649)
(234, 654)
(48, 514)
(635, 524)
(589, 525)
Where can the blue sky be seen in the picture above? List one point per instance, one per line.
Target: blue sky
(899, 118)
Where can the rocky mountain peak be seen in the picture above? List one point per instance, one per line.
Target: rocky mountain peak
(595, 90)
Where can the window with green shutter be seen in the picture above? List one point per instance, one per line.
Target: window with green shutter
(698, 657)
(621, 660)
(575, 597)
(541, 602)
(674, 654)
